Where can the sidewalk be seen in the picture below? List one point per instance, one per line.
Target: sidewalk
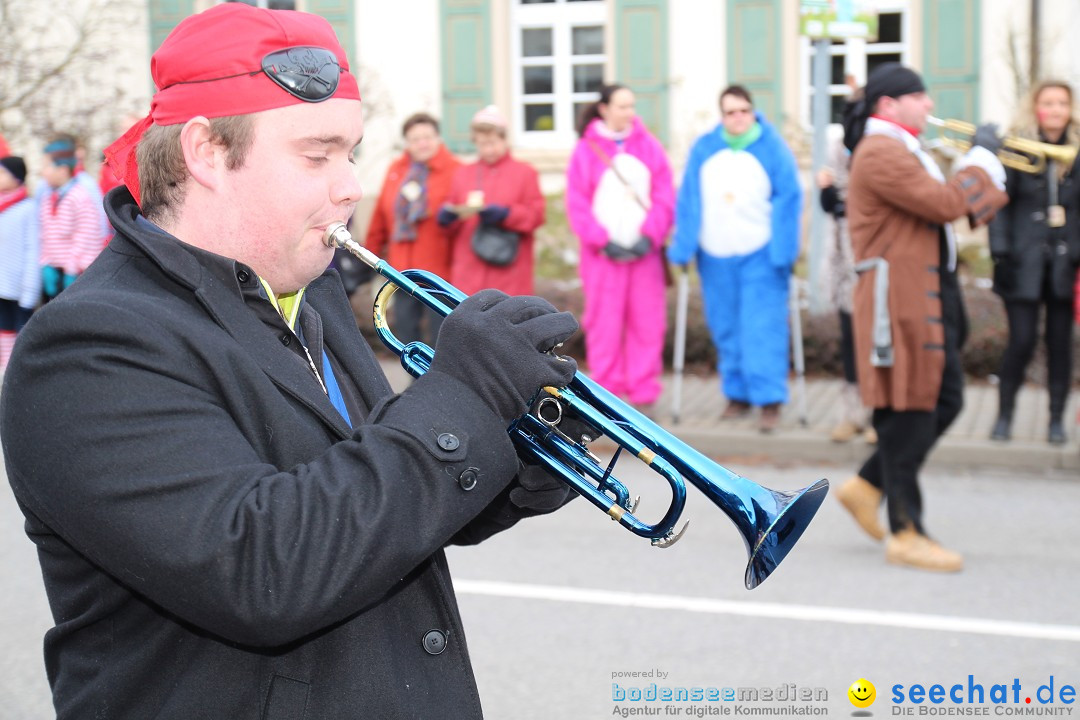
(966, 444)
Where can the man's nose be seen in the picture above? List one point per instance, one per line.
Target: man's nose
(347, 188)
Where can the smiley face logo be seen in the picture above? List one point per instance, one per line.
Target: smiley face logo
(862, 693)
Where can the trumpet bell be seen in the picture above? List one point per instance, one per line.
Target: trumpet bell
(788, 518)
(769, 521)
(1018, 153)
(1061, 154)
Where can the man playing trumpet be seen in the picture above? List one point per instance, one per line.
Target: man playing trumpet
(235, 517)
(908, 313)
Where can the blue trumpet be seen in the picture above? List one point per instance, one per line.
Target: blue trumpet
(769, 521)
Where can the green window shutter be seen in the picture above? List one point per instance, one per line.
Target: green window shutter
(167, 14)
(951, 57)
(339, 13)
(754, 53)
(164, 16)
(466, 67)
(641, 59)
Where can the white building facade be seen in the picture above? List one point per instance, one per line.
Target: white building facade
(541, 60)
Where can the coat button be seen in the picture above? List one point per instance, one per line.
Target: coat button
(449, 442)
(467, 479)
(243, 276)
(435, 642)
(286, 340)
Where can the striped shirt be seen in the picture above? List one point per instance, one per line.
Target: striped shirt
(71, 234)
(20, 278)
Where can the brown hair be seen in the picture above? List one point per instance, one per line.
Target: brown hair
(162, 170)
(420, 118)
(592, 111)
(736, 91)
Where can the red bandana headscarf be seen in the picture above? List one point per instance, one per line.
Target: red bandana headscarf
(211, 65)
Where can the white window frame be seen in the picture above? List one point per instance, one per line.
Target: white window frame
(263, 3)
(561, 16)
(855, 53)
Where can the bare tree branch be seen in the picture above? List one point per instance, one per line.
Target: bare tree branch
(61, 69)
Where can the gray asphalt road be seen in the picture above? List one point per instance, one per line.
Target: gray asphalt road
(562, 607)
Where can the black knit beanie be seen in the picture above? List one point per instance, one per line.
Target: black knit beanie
(892, 80)
(887, 80)
(15, 166)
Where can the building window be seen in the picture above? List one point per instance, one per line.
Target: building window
(559, 56)
(857, 59)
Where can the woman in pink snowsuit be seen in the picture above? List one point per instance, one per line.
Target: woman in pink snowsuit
(620, 201)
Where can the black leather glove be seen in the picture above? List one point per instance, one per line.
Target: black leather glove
(493, 214)
(534, 489)
(638, 250)
(446, 216)
(987, 136)
(831, 201)
(498, 346)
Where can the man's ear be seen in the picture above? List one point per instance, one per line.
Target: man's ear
(205, 159)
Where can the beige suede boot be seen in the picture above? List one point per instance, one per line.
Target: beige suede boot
(843, 431)
(913, 549)
(863, 501)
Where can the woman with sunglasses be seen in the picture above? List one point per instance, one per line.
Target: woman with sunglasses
(738, 217)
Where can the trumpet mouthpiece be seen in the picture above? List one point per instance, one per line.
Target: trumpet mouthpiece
(336, 235)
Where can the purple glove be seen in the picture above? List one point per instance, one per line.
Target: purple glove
(493, 214)
(446, 216)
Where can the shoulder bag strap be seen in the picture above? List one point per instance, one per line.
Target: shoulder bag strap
(607, 161)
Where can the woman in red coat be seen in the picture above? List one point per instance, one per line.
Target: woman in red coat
(499, 192)
(403, 228)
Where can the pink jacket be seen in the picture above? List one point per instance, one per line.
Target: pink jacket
(586, 169)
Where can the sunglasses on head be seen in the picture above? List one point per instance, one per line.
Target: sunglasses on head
(307, 72)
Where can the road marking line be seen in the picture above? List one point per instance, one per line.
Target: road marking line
(847, 616)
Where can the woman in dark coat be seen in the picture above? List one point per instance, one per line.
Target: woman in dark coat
(1035, 244)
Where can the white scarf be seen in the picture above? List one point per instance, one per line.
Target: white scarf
(606, 132)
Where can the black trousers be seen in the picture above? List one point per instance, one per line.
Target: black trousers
(1023, 319)
(847, 347)
(905, 437)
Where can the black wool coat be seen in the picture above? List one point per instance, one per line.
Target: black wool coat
(215, 541)
(1025, 248)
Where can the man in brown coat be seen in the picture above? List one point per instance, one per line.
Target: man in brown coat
(908, 312)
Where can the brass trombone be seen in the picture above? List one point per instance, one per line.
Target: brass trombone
(770, 521)
(1019, 153)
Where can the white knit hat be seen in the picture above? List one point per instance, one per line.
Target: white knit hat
(489, 115)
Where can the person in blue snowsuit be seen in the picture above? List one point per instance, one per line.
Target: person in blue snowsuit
(738, 214)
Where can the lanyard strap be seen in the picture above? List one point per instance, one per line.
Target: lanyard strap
(333, 390)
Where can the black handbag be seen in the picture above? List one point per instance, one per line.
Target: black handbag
(495, 245)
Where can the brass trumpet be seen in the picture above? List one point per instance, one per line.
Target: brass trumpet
(770, 521)
(1019, 153)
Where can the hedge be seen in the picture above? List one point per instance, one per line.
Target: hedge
(821, 332)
